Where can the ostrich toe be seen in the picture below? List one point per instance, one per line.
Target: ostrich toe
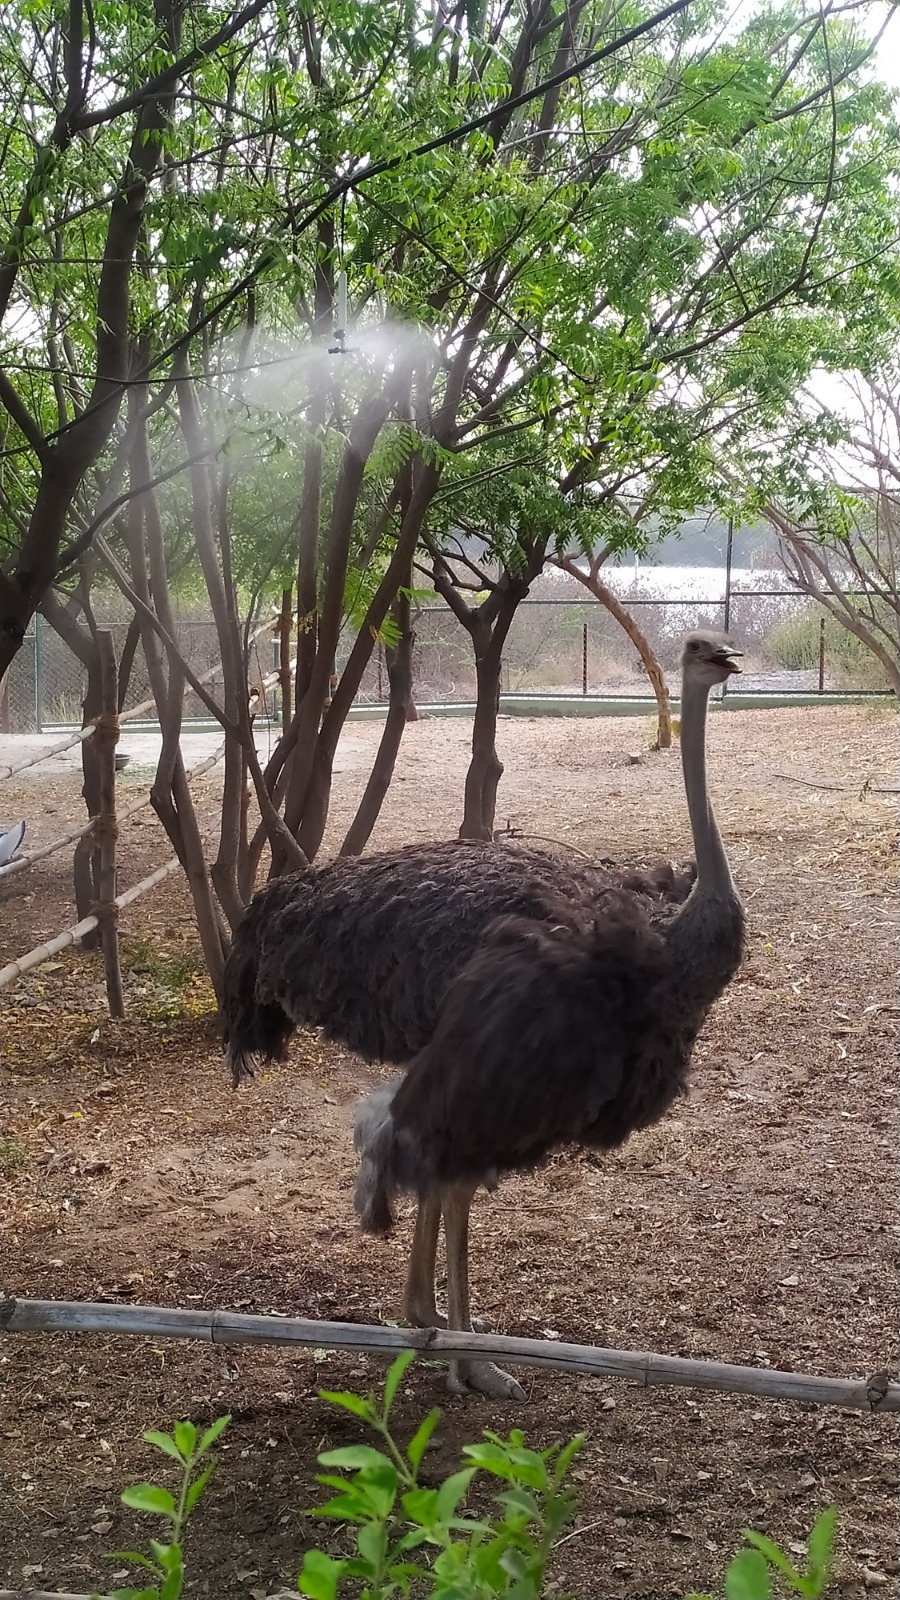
(483, 1377)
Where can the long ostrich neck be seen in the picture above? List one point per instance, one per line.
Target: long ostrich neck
(713, 871)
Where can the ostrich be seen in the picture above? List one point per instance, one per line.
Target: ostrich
(578, 1027)
(538, 1002)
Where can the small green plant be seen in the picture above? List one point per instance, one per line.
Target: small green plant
(13, 1157)
(750, 1574)
(396, 1515)
(165, 1561)
(415, 1539)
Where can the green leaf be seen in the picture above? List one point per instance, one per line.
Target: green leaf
(452, 1491)
(346, 1508)
(196, 1488)
(320, 1575)
(747, 1577)
(394, 1377)
(349, 1402)
(371, 1542)
(163, 1555)
(134, 1556)
(418, 1444)
(212, 1434)
(773, 1554)
(164, 1442)
(185, 1438)
(148, 1497)
(566, 1456)
(822, 1542)
(356, 1458)
(520, 1500)
(420, 1505)
(172, 1586)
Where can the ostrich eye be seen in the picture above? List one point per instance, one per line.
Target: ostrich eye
(694, 645)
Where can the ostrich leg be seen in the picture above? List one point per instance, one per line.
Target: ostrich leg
(419, 1308)
(482, 1376)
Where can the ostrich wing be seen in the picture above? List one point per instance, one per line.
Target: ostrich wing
(551, 1033)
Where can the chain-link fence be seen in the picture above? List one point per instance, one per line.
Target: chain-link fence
(46, 683)
(562, 643)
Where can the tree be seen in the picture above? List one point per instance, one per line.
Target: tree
(90, 112)
(577, 243)
(840, 539)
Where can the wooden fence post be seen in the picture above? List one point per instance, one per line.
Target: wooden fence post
(105, 827)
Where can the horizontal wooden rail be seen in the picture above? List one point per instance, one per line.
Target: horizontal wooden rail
(44, 952)
(878, 1393)
(20, 863)
(142, 710)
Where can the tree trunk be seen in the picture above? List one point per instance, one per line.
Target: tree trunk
(398, 660)
(485, 766)
(86, 865)
(170, 795)
(107, 737)
(126, 665)
(315, 810)
(489, 627)
(649, 659)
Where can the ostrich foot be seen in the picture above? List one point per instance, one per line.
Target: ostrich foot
(483, 1377)
(423, 1316)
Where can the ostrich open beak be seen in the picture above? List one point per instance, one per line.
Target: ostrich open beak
(728, 658)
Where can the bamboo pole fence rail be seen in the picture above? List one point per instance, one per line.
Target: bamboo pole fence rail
(22, 862)
(45, 952)
(878, 1393)
(53, 947)
(145, 708)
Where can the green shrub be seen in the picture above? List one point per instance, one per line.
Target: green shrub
(794, 644)
(412, 1539)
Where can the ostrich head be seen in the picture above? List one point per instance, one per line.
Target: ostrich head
(709, 657)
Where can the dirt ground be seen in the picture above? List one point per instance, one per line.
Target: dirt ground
(757, 1225)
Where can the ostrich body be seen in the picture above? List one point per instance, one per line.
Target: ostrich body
(577, 1027)
(366, 948)
(540, 1002)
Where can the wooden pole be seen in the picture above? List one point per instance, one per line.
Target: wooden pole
(106, 827)
(878, 1393)
(45, 952)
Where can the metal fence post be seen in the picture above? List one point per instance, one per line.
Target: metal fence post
(584, 659)
(729, 556)
(821, 655)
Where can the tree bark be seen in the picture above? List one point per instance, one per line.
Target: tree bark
(649, 659)
(398, 660)
(485, 767)
(315, 812)
(107, 736)
(170, 795)
(488, 626)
